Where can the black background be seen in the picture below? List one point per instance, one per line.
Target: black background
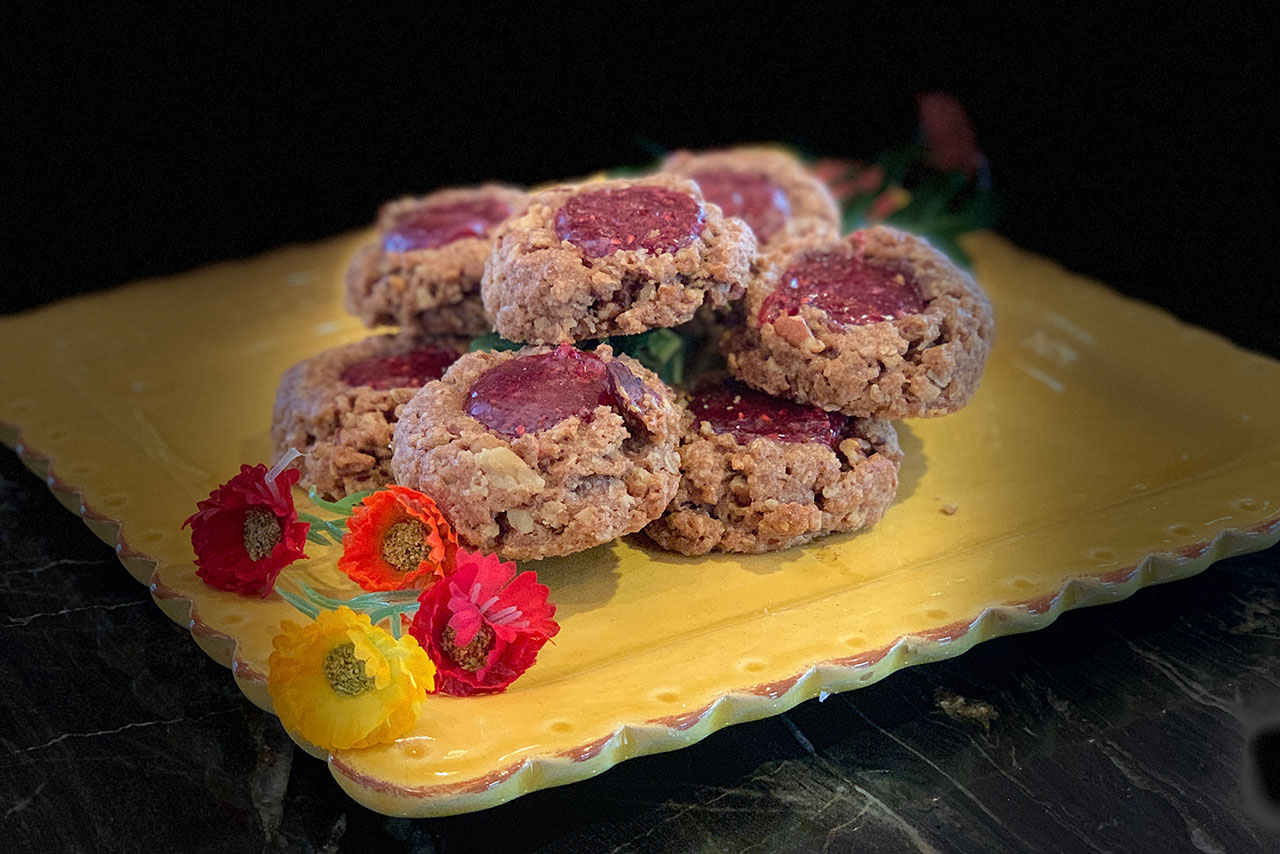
(1129, 147)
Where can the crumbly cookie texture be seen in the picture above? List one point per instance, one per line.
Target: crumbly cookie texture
(918, 364)
(431, 290)
(579, 483)
(767, 495)
(542, 289)
(344, 431)
(804, 196)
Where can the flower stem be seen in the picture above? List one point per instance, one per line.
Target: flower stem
(320, 528)
(298, 602)
(345, 507)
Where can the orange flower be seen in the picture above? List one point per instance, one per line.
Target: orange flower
(397, 538)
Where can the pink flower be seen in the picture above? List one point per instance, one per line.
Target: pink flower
(483, 625)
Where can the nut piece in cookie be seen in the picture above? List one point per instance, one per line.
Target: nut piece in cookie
(339, 408)
(879, 324)
(767, 187)
(543, 451)
(760, 473)
(613, 258)
(422, 272)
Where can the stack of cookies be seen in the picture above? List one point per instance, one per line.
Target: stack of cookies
(550, 449)
(422, 273)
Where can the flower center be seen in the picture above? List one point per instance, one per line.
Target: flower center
(472, 656)
(405, 545)
(261, 533)
(345, 672)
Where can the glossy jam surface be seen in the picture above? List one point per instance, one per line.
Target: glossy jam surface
(841, 283)
(535, 393)
(409, 370)
(434, 226)
(602, 222)
(747, 414)
(754, 198)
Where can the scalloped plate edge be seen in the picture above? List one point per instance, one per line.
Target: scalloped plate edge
(672, 732)
(828, 677)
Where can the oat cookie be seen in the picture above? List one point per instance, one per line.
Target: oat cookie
(879, 324)
(613, 258)
(542, 451)
(767, 187)
(339, 408)
(759, 473)
(422, 272)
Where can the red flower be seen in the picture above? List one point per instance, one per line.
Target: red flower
(397, 538)
(247, 530)
(888, 203)
(483, 625)
(948, 134)
(849, 179)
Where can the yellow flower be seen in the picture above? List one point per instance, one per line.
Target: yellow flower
(340, 682)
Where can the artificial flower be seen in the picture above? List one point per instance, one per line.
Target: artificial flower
(948, 134)
(341, 682)
(483, 625)
(888, 203)
(247, 530)
(849, 179)
(397, 538)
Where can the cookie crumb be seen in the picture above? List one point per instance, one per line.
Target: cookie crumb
(507, 471)
(949, 509)
(521, 520)
(959, 709)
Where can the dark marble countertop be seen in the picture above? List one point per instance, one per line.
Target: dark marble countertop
(1120, 728)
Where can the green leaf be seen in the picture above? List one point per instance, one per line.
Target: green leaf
(322, 528)
(664, 344)
(660, 350)
(345, 507)
(349, 503)
(314, 536)
(493, 341)
(942, 206)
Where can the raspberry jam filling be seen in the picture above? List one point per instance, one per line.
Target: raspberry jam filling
(846, 287)
(751, 197)
(434, 226)
(409, 370)
(601, 222)
(744, 413)
(535, 393)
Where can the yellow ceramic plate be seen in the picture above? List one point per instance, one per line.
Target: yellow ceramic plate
(1109, 447)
